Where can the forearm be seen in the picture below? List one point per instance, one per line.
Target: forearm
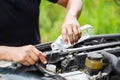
(4, 53)
(74, 8)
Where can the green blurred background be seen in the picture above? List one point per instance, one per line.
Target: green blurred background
(103, 15)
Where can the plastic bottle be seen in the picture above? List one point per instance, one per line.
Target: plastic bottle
(87, 31)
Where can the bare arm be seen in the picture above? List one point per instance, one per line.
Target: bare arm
(73, 7)
(70, 26)
(26, 55)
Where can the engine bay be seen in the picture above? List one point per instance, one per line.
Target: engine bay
(94, 58)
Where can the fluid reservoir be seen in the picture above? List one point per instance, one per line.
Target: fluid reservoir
(93, 63)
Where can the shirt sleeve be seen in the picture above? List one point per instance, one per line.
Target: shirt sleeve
(54, 1)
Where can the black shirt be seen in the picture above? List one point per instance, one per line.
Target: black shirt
(19, 22)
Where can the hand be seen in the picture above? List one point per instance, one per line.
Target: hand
(71, 30)
(26, 55)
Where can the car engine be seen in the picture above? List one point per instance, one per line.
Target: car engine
(94, 58)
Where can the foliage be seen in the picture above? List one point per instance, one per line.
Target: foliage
(103, 15)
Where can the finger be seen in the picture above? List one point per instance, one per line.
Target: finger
(40, 55)
(30, 60)
(34, 56)
(42, 58)
(78, 28)
(30, 57)
(64, 35)
(79, 31)
(71, 34)
(76, 32)
(26, 63)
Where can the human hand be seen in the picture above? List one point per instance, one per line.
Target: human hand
(26, 55)
(71, 30)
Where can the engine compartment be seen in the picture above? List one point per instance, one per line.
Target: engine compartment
(71, 63)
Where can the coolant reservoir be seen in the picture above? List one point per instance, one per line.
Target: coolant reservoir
(51, 67)
(93, 63)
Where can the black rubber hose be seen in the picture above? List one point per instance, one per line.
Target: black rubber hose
(114, 61)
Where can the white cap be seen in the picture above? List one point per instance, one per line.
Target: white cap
(51, 67)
